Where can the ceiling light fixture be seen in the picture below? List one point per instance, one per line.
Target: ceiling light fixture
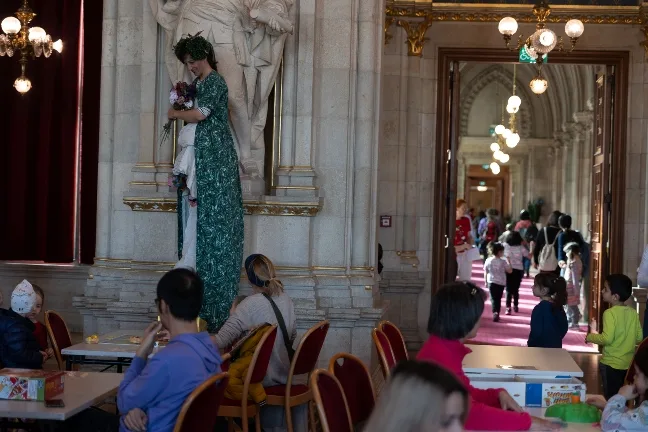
(543, 40)
(30, 42)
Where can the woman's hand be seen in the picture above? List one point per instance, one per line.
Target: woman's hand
(136, 420)
(171, 114)
(597, 400)
(508, 403)
(539, 424)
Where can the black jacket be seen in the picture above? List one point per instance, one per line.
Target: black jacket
(552, 233)
(18, 345)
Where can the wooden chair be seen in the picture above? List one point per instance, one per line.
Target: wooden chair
(245, 408)
(396, 340)
(385, 353)
(355, 379)
(59, 336)
(331, 403)
(199, 412)
(201, 324)
(303, 362)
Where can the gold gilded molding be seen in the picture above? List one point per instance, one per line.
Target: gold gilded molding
(280, 209)
(415, 35)
(481, 12)
(644, 43)
(151, 204)
(266, 208)
(389, 20)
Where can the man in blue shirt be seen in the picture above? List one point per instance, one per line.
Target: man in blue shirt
(153, 390)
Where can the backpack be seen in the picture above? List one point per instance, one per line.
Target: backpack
(492, 231)
(547, 259)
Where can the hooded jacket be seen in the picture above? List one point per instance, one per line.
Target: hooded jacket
(18, 345)
(160, 386)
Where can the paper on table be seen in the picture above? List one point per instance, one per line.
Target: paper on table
(517, 367)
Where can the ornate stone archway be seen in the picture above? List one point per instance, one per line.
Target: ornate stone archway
(494, 73)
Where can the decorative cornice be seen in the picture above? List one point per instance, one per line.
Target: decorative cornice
(266, 208)
(482, 12)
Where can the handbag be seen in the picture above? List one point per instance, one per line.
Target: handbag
(282, 327)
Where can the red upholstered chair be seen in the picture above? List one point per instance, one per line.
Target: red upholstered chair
(199, 412)
(396, 340)
(385, 353)
(303, 362)
(59, 336)
(331, 403)
(355, 379)
(245, 408)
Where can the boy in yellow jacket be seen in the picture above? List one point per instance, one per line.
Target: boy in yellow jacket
(621, 333)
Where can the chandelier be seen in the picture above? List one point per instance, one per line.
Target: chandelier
(29, 41)
(543, 40)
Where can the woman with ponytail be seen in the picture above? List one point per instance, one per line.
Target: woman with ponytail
(269, 304)
(548, 319)
(213, 214)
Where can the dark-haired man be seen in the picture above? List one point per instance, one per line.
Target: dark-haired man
(153, 390)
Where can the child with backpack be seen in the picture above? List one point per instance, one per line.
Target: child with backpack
(491, 232)
(545, 252)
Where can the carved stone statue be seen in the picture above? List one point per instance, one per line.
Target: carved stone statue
(248, 38)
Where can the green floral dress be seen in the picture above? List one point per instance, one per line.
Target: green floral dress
(219, 248)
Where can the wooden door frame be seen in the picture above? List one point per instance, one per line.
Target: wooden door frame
(621, 62)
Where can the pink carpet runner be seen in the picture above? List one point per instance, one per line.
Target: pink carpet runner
(513, 330)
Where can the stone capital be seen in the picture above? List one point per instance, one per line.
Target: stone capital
(585, 118)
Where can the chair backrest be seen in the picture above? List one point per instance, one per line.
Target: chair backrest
(201, 324)
(385, 353)
(199, 412)
(260, 359)
(308, 351)
(396, 340)
(331, 403)
(355, 379)
(630, 375)
(59, 335)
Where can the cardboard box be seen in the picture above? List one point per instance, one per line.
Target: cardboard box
(27, 384)
(533, 391)
(546, 392)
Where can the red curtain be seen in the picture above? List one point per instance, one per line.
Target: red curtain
(38, 149)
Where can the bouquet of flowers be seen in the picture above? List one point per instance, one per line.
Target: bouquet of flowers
(182, 97)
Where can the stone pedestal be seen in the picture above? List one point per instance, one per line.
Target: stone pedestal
(318, 225)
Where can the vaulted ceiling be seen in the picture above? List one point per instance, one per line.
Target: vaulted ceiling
(485, 89)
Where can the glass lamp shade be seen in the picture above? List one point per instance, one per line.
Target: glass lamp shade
(574, 28)
(499, 129)
(512, 109)
(538, 85)
(507, 26)
(515, 101)
(58, 46)
(10, 25)
(495, 168)
(22, 85)
(513, 140)
(544, 40)
(494, 147)
(498, 154)
(506, 133)
(505, 158)
(37, 34)
(482, 188)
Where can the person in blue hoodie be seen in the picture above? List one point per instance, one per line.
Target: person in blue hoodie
(153, 390)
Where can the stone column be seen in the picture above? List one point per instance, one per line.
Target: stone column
(556, 176)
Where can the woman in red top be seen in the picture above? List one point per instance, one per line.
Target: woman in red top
(463, 241)
(455, 315)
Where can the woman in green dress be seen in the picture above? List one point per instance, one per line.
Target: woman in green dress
(219, 243)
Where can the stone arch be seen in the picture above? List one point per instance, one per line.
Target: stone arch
(494, 73)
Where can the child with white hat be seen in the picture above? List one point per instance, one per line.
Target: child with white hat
(18, 345)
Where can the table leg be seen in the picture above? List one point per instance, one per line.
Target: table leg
(68, 363)
(119, 366)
